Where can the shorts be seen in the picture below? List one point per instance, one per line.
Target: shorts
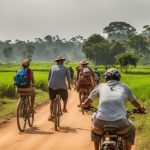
(63, 93)
(127, 129)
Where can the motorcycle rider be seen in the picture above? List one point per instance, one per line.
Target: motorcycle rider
(112, 96)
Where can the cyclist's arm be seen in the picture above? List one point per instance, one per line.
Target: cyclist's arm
(68, 79)
(136, 104)
(93, 95)
(49, 74)
(32, 77)
(87, 102)
(133, 100)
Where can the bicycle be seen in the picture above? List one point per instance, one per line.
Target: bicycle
(83, 95)
(110, 138)
(24, 112)
(57, 112)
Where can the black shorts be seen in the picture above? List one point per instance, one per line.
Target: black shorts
(63, 93)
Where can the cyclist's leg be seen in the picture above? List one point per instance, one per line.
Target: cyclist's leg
(32, 100)
(130, 136)
(97, 131)
(64, 95)
(52, 96)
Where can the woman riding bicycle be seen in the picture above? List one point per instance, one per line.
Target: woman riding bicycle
(85, 78)
(112, 96)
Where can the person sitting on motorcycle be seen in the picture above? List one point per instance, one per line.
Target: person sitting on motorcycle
(85, 77)
(112, 96)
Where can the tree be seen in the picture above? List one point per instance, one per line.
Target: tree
(48, 38)
(28, 53)
(141, 45)
(8, 53)
(126, 59)
(97, 49)
(117, 47)
(146, 31)
(119, 30)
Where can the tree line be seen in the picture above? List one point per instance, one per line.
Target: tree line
(123, 45)
(41, 49)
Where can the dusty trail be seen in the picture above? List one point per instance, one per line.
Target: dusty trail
(74, 133)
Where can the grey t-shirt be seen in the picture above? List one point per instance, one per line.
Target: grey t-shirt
(58, 75)
(112, 96)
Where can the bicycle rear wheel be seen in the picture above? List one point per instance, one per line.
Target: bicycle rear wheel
(31, 114)
(59, 112)
(55, 115)
(21, 115)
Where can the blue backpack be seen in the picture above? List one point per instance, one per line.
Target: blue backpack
(21, 78)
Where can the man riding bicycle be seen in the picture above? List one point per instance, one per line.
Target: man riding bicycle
(85, 77)
(112, 96)
(58, 74)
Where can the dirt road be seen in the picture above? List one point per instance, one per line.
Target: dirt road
(74, 133)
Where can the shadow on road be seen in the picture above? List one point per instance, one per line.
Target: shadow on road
(70, 130)
(36, 130)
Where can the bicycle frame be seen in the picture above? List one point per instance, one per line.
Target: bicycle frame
(57, 112)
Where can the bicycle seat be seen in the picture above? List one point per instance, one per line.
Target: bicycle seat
(111, 128)
(25, 93)
(83, 90)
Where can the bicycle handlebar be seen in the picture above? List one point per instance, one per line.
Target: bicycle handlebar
(129, 112)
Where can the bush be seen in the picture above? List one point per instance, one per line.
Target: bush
(7, 91)
(41, 85)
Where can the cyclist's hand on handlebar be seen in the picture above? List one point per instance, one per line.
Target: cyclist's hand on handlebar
(141, 109)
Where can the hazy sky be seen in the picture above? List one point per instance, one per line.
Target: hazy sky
(28, 19)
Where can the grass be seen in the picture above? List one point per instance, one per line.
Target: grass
(8, 106)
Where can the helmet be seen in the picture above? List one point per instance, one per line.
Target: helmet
(26, 62)
(112, 73)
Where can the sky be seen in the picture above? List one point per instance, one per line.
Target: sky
(29, 19)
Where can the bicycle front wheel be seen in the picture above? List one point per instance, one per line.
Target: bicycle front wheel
(21, 115)
(31, 114)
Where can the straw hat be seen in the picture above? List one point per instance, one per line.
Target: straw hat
(84, 62)
(59, 58)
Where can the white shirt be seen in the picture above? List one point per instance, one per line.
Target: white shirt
(112, 96)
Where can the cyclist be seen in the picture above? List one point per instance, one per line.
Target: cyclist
(58, 74)
(85, 77)
(112, 96)
(71, 73)
(30, 76)
(97, 76)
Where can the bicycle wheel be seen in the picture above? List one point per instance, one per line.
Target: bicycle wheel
(21, 115)
(31, 114)
(59, 112)
(55, 115)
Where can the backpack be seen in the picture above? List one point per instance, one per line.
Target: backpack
(21, 78)
(85, 77)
